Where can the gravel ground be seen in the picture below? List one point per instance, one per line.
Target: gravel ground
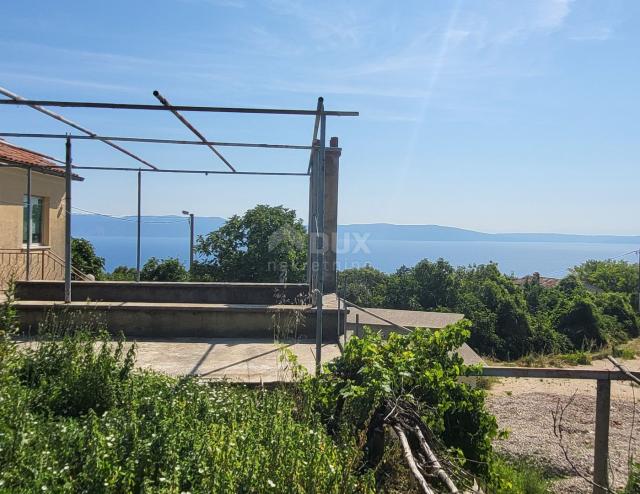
(527, 415)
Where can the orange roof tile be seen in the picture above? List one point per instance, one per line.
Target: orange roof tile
(12, 154)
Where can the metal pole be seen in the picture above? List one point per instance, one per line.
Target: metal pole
(67, 217)
(15, 99)
(188, 125)
(138, 231)
(18, 101)
(313, 195)
(601, 447)
(29, 224)
(357, 324)
(191, 243)
(156, 141)
(320, 241)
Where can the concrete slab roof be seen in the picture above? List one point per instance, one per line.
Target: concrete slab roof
(406, 318)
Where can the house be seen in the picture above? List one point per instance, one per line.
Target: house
(535, 278)
(18, 167)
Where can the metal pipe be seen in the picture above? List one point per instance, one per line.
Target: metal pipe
(188, 125)
(67, 222)
(311, 225)
(29, 224)
(19, 100)
(206, 172)
(320, 242)
(133, 106)
(155, 141)
(316, 124)
(192, 239)
(138, 226)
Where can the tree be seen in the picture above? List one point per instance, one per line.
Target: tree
(581, 321)
(437, 283)
(625, 320)
(402, 290)
(84, 258)
(363, 286)
(497, 309)
(608, 275)
(266, 244)
(170, 269)
(122, 273)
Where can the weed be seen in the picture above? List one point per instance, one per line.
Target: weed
(516, 477)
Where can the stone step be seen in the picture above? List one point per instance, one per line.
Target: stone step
(157, 319)
(169, 292)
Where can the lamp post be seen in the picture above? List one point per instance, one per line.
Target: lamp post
(191, 228)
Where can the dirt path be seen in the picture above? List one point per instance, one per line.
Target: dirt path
(524, 406)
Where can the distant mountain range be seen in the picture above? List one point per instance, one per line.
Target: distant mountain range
(91, 225)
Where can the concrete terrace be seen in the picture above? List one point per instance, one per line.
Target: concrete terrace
(235, 359)
(204, 329)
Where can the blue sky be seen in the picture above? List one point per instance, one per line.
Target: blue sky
(490, 115)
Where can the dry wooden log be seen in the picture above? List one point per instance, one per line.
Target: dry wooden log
(433, 463)
(411, 462)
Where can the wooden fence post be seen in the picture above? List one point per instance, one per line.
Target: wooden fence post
(601, 447)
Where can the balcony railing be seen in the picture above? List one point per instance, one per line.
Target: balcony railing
(44, 265)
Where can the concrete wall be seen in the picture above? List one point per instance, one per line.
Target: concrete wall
(331, 174)
(13, 186)
(186, 320)
(170, 293)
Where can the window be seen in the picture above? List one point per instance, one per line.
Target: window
(37, 204)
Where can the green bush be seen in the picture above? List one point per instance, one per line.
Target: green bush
(121, 273)
(422, 368)
(84, 258)
(516, 477)
(633, 482)
(170, 269)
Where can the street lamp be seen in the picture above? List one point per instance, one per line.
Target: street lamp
(191, 228)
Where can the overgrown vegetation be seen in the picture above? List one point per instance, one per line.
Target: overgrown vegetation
(509, 321)
(76, 416)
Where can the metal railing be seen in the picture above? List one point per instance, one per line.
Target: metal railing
(44, 264)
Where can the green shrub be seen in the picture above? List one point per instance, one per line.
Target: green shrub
(76, 372)
(623, 353)
(633, 482)
(170, 269)
(577, 358)
(121, 273)
(84, 258)
(516, 477)
(422, 368)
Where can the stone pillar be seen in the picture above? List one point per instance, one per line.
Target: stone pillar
(332, 169)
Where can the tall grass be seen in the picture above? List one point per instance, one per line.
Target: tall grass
(75, 416)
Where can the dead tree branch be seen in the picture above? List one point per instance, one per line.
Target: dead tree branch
(558, 418)
(411, 461)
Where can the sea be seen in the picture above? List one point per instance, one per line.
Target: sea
(551, 259)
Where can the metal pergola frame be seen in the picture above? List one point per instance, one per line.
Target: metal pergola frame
(315, 170)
